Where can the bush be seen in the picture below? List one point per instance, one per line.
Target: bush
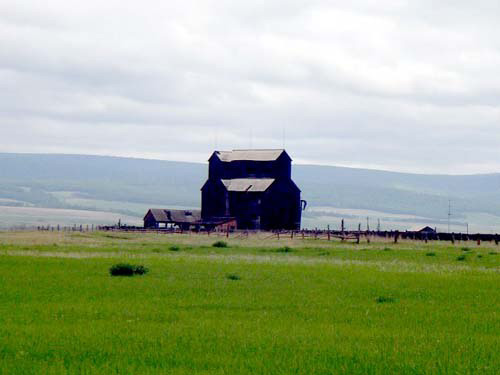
(479, 256)
(465, 248)
(284, 249)
(387, 249)
(219, 244)
(140, 270)
(233, 276)
(430, 254)
(174, 248)
(461, 258)
(125, 269)
(383, 299)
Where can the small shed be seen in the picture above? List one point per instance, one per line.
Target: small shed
(427, 230)
(168, 218)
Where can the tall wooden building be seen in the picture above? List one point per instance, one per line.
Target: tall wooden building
(253, 186)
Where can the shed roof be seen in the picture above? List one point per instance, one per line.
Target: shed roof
(427, 229)
(253, 185)
(175, 216)
(255, 155)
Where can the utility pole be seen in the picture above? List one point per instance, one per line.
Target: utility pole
(378, 225)
(367, 224)
(449, 214)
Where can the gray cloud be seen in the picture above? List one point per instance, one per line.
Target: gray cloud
(393, 84)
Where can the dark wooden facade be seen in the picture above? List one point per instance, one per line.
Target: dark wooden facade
(253, 186)
(166, 218)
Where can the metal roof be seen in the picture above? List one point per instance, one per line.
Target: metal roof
(255, 155)
(175, 216)
(252, 185)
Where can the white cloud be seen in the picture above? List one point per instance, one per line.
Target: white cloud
(399, 85)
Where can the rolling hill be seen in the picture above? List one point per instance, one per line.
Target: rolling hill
(129, 186)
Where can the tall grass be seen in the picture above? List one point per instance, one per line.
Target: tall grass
(229, 315)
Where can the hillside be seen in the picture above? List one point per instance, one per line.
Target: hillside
(129, 186)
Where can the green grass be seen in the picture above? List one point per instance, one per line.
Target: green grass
(325, 309)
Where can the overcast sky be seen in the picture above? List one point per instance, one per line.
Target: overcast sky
(399, 85)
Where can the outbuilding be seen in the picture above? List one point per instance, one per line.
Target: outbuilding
(427, 230)
(167, 218)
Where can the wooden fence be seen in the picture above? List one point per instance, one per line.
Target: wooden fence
(352, 236)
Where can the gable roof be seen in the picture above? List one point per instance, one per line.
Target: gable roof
(427, 229)
(251, 185)
(175, 216)
(254, 155)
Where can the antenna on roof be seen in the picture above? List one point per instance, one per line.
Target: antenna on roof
(216, 138)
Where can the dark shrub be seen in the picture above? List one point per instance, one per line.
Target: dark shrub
(219, 244)
(465, 248)
(493, 253)
(430, 254)
(140, 270)
(284, 249)
(387, 249)
(479, 255)
(383, 299)
(174, 248)
(233, 276)
(461, 258)
(125, 269)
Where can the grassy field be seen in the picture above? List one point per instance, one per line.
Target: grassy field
(259, 306)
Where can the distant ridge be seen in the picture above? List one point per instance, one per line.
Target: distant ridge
(33, 179)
